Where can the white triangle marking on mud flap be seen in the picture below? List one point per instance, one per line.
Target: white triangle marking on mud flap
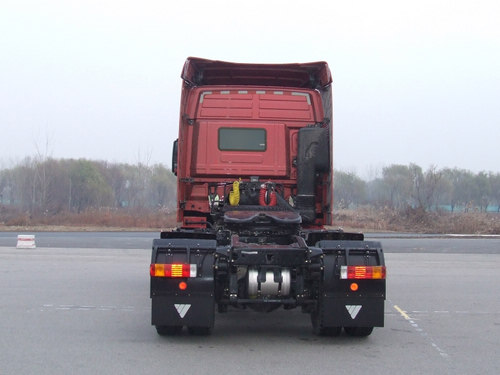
(353, 310)
(182, 309)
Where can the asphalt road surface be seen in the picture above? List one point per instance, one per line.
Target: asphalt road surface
(84, 309)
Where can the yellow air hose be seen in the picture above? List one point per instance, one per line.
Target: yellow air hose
(234, 195)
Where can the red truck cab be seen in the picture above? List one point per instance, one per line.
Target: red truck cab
(244, 121)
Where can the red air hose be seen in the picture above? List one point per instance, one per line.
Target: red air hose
(267, 197)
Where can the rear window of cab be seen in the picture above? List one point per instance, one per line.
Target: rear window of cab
(242, 139)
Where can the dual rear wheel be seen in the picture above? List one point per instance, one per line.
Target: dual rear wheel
(358, 331)
(321, 330)
(176, 330)
(318, 330)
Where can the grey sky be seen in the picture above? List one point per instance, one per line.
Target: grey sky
(414, 81)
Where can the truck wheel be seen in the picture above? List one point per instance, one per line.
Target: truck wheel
(200, 331)
(318, 328)
(329, 331)
(358, 331)
(168, 330)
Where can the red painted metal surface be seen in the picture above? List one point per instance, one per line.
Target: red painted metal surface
(278, 98)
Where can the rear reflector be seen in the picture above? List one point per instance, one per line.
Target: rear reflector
(362, 272)
(173, 270)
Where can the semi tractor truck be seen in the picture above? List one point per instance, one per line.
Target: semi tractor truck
(253, 161)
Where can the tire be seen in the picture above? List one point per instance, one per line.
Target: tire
(358, 331)
(318, 328)
(200, 331)
(221, 308)
(168, 330)
(329, 331)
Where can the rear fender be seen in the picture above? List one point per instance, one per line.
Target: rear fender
(193, 306)
(338, 304)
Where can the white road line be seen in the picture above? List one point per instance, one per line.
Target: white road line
(462, 312)
(48, 307)
(417, 328)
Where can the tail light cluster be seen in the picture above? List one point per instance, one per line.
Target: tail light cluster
(362, 272)
(173, 270)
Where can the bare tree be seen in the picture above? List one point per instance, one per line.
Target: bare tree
(349, 189)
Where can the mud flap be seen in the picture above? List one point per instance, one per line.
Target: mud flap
(193, 305)
(352, 312)
(338, 305)
(190, 311)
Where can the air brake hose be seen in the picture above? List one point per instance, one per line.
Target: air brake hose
(234, 195)
(267, 196)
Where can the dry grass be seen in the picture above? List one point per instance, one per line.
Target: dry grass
(369, 219)
(96, 219)
(363, 219)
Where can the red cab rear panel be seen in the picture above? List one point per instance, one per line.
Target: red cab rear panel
(242, 121)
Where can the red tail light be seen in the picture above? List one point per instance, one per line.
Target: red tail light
(173, 270)
(362, 272)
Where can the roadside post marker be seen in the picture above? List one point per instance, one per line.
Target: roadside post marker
(26, 241)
